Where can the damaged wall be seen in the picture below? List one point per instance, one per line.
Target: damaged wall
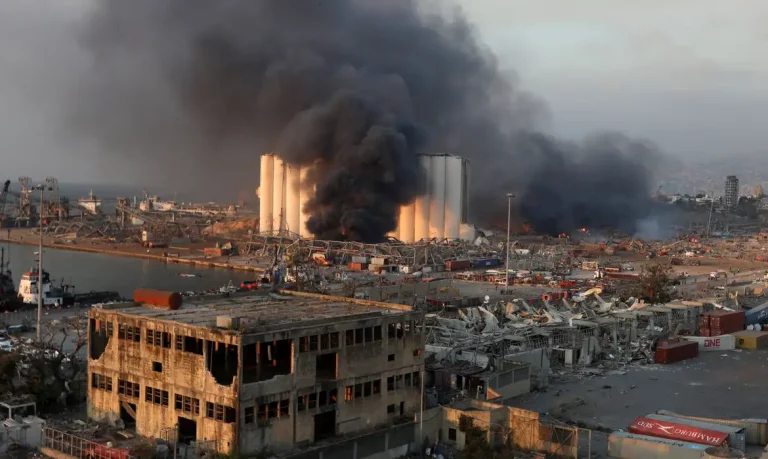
(540, 365)
(337, 378)
(170, 378)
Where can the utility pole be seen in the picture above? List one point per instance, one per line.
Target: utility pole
(40, 271)
(509, 223)
(709, 222)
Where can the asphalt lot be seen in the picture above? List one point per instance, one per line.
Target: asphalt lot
(724, 384)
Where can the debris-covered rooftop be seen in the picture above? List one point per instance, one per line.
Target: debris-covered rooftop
(263, 312)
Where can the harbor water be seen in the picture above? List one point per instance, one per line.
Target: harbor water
(89, 271)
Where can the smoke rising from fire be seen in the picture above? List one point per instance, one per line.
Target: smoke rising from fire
(358, 89)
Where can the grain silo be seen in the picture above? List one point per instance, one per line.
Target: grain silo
(440, 213)
(282, 196)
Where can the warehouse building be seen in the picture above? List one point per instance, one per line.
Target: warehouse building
(441, 213)
(249, 372)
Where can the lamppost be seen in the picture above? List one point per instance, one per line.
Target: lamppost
(509, 223)
(41, 188)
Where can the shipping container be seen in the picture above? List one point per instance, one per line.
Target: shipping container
(361, 260)
(755, 429)
(749, 339)
(675, 431)
(488, 262)
(157, 298)
(737, 436)
(714, 343)
(622, 276)
(457, 265)
(380, 261)
(670, 352)
(722, 322)
(213, 252)
(357, 266)
(629, 445)
(757, 315)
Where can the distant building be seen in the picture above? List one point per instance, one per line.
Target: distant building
(731, 192)
(762, 204)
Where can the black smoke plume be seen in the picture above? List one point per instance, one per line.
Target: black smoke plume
(198, 89)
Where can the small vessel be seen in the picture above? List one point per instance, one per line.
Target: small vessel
(30, 285)
(189, 275)
(8, 298)
(229, 288)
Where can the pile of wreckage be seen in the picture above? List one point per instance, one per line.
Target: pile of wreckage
(588, 326)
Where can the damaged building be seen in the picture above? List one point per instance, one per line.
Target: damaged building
(250, 372)
(499, 351)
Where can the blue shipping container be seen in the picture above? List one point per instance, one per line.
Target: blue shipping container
(757, 315)
(488, 262)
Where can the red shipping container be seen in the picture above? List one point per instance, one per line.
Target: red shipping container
(673, 431)
(705, 332)
(456, 265)
(357, 266)
(722, 322)
(675, 352)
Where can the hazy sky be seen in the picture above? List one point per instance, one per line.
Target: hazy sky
(690, 74)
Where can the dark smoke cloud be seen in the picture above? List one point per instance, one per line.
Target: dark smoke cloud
(200, 88)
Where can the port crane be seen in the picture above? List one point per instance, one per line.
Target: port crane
(4, 199)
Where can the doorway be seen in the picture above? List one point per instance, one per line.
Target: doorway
(325, 425)
(187, 430)
(128, 415)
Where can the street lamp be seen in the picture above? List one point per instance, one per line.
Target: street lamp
(41, 188)
(509, 223)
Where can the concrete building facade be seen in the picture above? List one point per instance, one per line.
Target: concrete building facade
(255, 372)
(731, 192)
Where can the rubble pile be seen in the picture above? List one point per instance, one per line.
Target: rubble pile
(612, 332)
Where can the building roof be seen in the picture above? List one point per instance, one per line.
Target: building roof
(263, 312)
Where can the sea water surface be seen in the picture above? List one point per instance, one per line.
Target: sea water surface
(91, 271)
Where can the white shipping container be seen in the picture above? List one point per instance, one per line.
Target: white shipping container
(628, 445)
(378, 261)
(357, 259)
(714, 343)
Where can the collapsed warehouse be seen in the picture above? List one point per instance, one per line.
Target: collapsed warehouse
(554, 336)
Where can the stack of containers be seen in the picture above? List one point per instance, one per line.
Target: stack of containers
(675, 350)
(718, 323)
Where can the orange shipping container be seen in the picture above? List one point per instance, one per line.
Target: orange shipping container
(213, 252)
(157, 298)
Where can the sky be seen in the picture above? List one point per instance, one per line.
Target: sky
(688, 74)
